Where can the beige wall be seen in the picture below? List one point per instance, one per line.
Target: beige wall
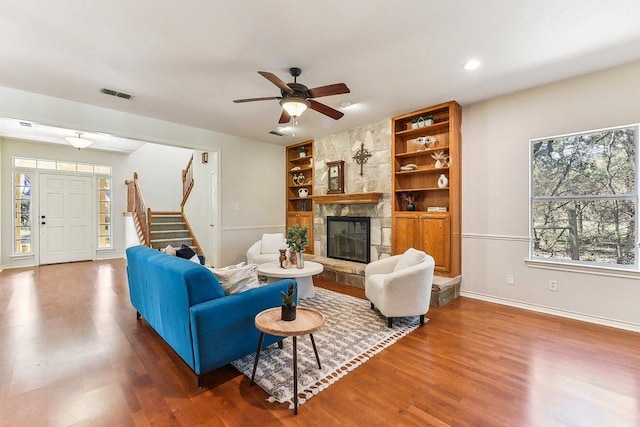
(496, 195)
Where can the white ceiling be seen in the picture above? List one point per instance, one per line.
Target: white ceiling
(186, 61)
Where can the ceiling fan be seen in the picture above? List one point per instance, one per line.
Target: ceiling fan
(296, 97)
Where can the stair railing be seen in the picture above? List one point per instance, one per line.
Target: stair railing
(187, 182)
(137, 206)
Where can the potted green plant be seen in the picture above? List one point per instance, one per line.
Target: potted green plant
(288, 304)
(428, 120)
(297, 241)
(303, 151)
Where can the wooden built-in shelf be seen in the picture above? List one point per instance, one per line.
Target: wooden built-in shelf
(347, 199)
(425, 130)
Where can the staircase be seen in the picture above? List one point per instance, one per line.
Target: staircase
(159, 229)
(169, 228)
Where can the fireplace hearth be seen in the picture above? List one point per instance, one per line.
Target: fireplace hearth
(348, 238)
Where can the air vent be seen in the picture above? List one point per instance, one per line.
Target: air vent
(116, 93)
(25, 124)
(273, 132)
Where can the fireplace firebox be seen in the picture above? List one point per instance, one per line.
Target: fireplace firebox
(348, 238)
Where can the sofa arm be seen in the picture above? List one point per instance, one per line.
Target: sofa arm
(223, 329)
(381, 266)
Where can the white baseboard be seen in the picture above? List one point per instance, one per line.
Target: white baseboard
(603, 321)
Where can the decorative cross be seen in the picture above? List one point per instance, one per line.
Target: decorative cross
(361, 157)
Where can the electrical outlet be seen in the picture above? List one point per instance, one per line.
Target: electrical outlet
(510, 279)
(553, 285)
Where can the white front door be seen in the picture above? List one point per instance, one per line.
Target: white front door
(65, 218)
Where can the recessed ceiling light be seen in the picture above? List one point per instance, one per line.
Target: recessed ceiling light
(472, 64)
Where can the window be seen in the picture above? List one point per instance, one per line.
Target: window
(584, 197)
(104, 213)
(21, 213)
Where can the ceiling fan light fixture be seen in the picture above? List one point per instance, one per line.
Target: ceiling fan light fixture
(78, 141)
(294, 105)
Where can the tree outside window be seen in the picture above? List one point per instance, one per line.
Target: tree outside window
(104, 213)
(22, 213)
(584, 197)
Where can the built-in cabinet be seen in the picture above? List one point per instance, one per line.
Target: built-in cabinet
(300, 188)
(426, 200)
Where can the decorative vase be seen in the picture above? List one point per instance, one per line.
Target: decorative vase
(438, 164)
(283, 257)
(303, 193)
(300, 260)
(288, 312)
(293, 258)
(411, 206)
(443, 181)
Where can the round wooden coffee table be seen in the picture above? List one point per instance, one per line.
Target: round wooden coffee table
(307, 321)
(274, 272)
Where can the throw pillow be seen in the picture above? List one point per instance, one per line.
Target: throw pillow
(185, 252)
(271, 243)
(169, 250)
(234, 279)
(410, 258)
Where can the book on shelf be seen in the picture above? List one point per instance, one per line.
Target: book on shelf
(436, 209)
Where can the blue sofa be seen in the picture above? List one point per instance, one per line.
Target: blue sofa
(184, 303)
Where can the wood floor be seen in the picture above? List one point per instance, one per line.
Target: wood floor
(73, 354)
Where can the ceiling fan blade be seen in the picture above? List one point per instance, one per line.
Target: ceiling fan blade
(268, 98)
(284, 118)
(325, 109)
(334, 89)
(276, 81)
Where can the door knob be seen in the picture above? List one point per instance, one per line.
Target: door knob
(43, 223)
(43, 217)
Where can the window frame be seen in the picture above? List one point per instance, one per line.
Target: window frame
(584, 265)
(99, 213)
(14, 213)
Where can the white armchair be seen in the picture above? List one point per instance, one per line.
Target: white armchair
(266, 249)
(400, 285)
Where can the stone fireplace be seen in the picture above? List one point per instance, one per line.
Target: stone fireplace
(348, 238)
(376, 177)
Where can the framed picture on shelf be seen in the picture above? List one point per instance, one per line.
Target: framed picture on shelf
(336, 177)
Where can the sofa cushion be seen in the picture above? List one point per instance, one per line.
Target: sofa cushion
(272, 243)
(185, 252)
(410, 258)
(237, 278)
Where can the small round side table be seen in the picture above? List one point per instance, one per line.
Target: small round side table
(307, 321)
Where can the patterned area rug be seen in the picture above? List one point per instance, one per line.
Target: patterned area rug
(351, 335)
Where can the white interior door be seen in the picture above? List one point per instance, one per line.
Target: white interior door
(66, 203)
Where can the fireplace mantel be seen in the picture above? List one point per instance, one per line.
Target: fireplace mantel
(347, 199)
